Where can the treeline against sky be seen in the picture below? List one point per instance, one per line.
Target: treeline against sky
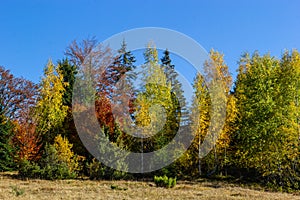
(259, 138)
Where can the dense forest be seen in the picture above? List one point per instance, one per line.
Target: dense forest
(258, 141)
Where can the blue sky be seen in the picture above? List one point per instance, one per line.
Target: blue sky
(31, 32)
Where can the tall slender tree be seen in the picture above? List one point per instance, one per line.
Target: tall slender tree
(50, 111)
(172, 78)
(115, 91)
(200, 121)
(215, 71)
(68, 129)
(68, 72)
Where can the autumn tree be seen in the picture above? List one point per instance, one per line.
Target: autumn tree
(154, 103)
(17, 99)
(87, 58)
(78, 51)
(27, 141)
(50, 111)
(17, 96)
(93, 62)
(214, 85)
(217, 70)
(116, 92)
(200, 121)
(65, 154)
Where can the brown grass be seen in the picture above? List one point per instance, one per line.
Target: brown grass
(86, 189)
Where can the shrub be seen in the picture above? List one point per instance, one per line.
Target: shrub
(95, 170)
(29, 169)
(98, 171)
(164, 181)
(57, 162)
(65, 154)
(59, 172)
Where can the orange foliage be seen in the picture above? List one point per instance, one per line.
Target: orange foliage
(27, 141)
(104, 112)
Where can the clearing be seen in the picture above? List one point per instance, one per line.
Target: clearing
(11, 188)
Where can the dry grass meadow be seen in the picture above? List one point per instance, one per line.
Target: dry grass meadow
(11, 188)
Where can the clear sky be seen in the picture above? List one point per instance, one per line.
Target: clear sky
(32, 31)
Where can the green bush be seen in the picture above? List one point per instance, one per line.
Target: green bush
(57, 172)
(29, 169)
(98, 171)
(164, 181)
(54, 167)
(50, 167)
(50, 172)
(95, 170)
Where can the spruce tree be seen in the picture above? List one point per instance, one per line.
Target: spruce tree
(68, 129)
(68, 72)
(6, 148)
(172, 79)
(125, 93)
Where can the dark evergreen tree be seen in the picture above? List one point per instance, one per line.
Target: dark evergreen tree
(6, 148)
(125, 59)
(172, 79)
(69, 72)
(123, 65)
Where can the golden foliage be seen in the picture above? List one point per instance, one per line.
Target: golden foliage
(65, 153)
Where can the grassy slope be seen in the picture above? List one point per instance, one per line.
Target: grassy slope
(85, 189)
